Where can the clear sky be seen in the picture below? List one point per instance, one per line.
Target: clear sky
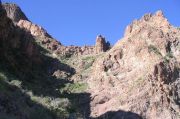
(78, 22)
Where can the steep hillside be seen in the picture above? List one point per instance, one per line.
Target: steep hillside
(28, 90)
(34, 80)
(141, 72)
(40, 78)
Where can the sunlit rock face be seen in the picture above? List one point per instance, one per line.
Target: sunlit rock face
(101, 44)
(34, 29)
(14, 12)
(141, 72)
(138, 75)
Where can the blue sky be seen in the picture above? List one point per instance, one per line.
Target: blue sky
(78, 22)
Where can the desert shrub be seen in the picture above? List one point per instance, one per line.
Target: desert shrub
(74, 87)
(168, 56)
(88, 58)
(152, 48)
(88, 61)
(88, 65)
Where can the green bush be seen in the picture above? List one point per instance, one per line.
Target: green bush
(88, 62)
(88, 65)
(168, 56)
(88, 58)
(74, 87)
(152, 48)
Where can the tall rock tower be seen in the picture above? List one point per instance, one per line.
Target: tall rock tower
(101, 44)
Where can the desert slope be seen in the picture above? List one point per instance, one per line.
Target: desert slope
(141, 72)
(137, 78)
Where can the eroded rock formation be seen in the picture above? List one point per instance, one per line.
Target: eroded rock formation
(14, 12)
(137, 78)
(101, 45)
(141, 72)
(34, 29)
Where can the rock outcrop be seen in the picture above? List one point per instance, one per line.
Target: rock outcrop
(14, 12)
(157, 19)
(13, 39)
(34, 29)
(101, 45)
(141, 72)
(137, 78)
(47, 41)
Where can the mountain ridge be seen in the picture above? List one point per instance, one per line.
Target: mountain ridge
(136, 78)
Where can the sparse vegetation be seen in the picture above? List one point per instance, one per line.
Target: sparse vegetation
(88, 61)
(89, 58)
(136, 83)
(152, 48)
(43, 79)
(57, 107)
(88, 65)
(74, 87)
(168, 56)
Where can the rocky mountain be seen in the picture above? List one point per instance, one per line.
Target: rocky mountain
(137, 78)
(141, 72)
(14, 12)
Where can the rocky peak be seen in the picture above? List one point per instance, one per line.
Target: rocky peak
(101, 44)
(14, 12)
(148, 21)
(140, 74)
(159, 13)
(142, 67)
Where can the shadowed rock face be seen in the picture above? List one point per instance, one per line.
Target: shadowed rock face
(12, 38)
(137, 78)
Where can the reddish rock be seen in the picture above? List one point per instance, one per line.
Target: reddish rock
(141, 71)
(14, 12)
(34, 29)
(101, 45)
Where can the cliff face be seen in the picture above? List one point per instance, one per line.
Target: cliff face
(14, 38)
(141, 72)
(41, 78)
(101, 45)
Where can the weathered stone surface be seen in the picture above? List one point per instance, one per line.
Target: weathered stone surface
(140, 71)
(157, 20)
(55, 46)
(34, 29)
(101, 44)
(139, 75)
(14, 12)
